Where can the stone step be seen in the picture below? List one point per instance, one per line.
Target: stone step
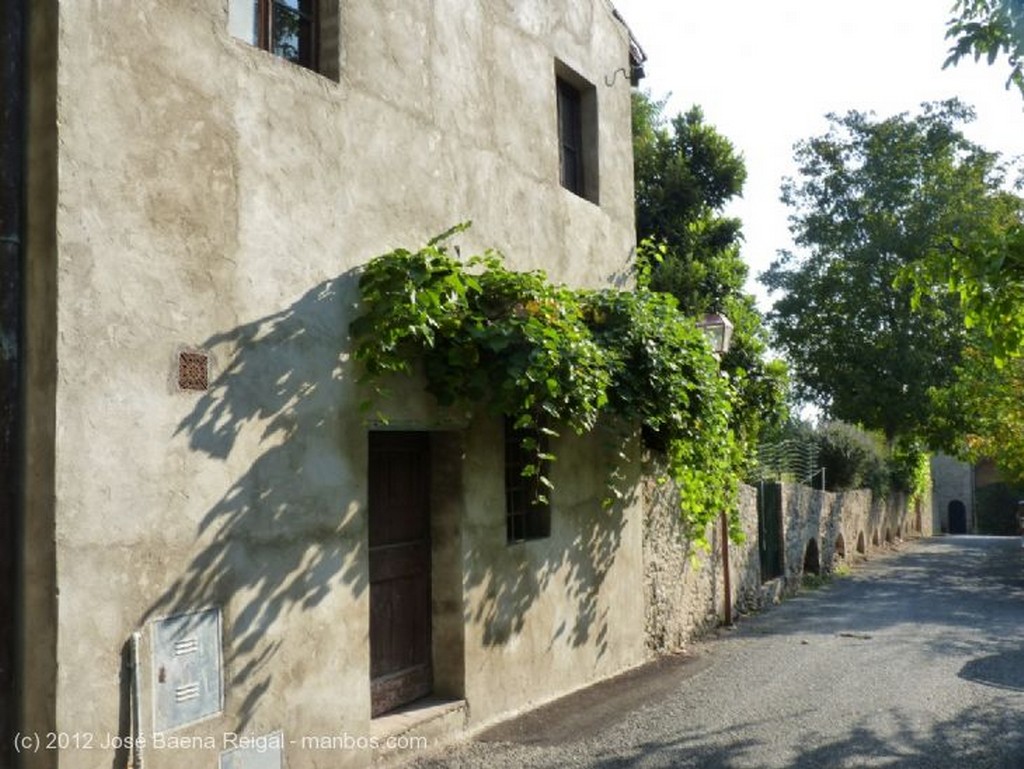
(420, 726)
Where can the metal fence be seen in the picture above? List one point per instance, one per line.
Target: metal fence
(789, 461)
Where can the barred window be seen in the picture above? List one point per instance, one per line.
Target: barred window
(526, 515)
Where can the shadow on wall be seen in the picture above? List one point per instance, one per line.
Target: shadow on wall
(683, 582)
(284, 534)
(573, 563)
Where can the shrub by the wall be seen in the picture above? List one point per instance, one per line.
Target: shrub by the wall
(852, 458)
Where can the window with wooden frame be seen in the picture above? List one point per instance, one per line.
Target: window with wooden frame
(570, 137)
(292, 29)
(576, 101)
(526, 515)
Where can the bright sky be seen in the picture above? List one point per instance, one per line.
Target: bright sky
(767, 73)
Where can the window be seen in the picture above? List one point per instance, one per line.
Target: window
(577, 133)
(570, 137)
(290, 29)
(526, 517)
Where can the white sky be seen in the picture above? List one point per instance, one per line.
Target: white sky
(766, 74)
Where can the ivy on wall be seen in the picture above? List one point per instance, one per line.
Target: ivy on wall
(552, 357)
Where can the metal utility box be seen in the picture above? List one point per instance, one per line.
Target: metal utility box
(187, 669)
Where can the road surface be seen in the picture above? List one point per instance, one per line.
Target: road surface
(915, 661)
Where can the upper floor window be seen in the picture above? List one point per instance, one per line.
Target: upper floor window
(576, 101)
(286, 28)
(570, 137)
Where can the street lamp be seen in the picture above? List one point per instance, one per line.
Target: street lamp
(718, 329)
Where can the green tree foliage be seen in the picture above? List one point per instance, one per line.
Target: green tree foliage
(984, 269)
(873, 196)
(981, 416)
(685, 174)
(989, 29)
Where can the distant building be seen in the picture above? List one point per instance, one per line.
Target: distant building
(952, 495)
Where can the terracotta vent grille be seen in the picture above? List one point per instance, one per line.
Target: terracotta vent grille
(193, 371)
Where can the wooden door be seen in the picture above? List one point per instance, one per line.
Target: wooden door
(399, 532)
(769, 529)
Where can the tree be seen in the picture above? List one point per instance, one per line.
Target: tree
(990, 29)
(987, 272)
(981, 416)
(685, 173)
(984, 270)
(872, 197)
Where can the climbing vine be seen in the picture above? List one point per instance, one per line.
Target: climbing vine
(554, 357)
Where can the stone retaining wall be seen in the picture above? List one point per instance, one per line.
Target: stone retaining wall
(684, 586)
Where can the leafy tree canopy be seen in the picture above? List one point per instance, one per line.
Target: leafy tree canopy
(873, 196)
(981, 416)
(991, 29)
(686, 172)
(984, 270)
(987, 270)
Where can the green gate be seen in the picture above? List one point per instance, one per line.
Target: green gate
(769, 529)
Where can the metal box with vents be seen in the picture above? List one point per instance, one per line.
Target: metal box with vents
(187, 669)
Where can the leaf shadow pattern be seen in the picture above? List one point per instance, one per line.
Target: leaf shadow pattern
(287, 531)
(676, 570)
(969, 590)
(990, 735)
(980, 578)
(503, 583)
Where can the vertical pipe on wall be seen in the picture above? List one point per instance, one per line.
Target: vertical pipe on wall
(138, 739)
(726, 577)
(13, 99)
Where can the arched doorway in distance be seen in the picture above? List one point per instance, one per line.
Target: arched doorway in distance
(957, 517)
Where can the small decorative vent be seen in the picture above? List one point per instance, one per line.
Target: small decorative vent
(193, 371)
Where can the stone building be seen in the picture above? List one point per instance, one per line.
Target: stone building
(197, 565)
(953, 484)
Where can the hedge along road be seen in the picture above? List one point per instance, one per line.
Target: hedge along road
(915, 660)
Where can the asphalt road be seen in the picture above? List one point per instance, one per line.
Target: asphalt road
(915, 661)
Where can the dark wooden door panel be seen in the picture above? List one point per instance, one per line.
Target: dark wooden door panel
(399, 535)
(769, 530)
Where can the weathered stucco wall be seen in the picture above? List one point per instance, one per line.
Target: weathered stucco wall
(546, 615)
(213, 197)
(952, 481)
(684, 588)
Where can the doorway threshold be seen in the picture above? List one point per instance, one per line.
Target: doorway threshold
(415, 728)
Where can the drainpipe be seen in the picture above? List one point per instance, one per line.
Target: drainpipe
(138, 738)
(727, 586)
(13, 98)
